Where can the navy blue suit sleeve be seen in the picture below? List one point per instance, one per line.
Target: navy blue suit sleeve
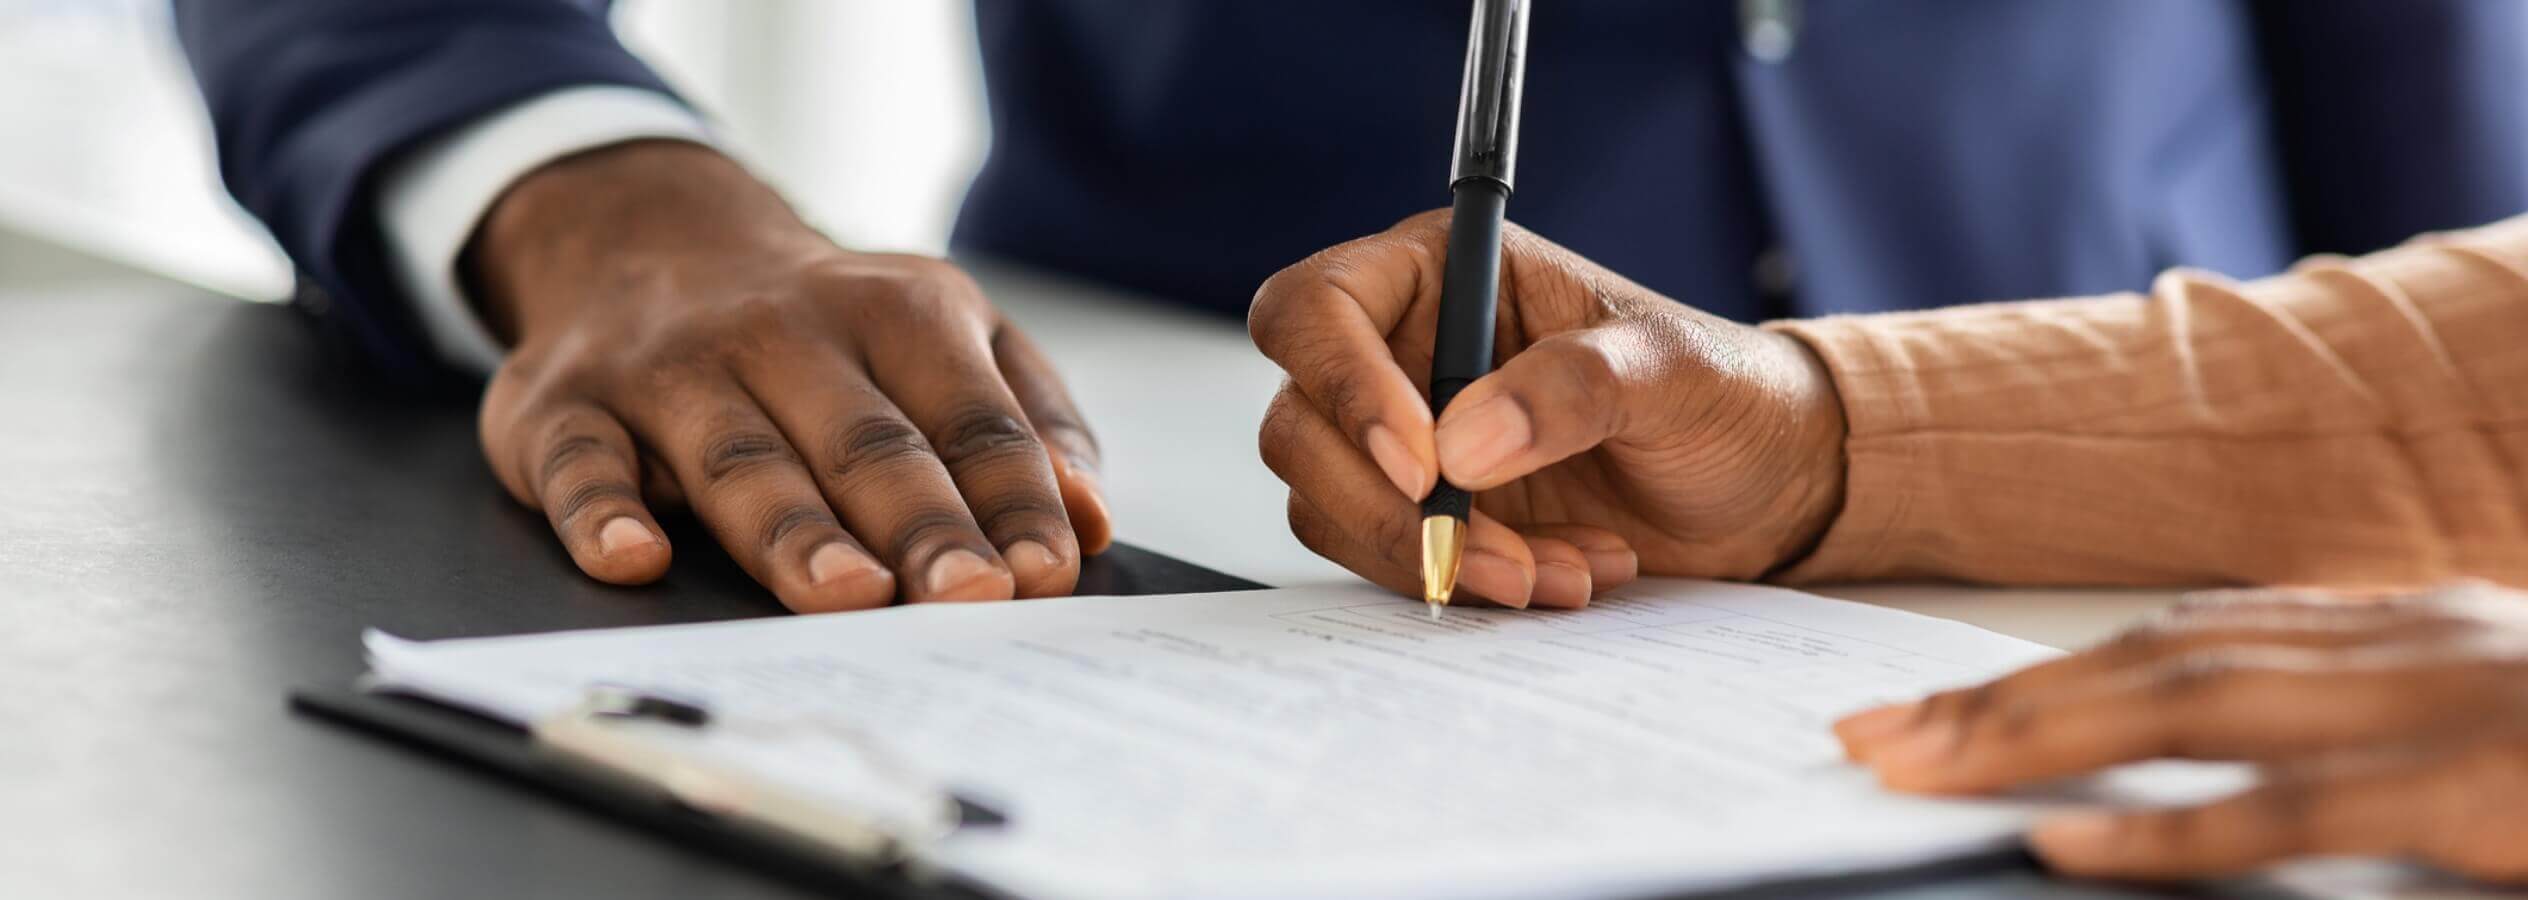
(309, 98)
(2397, 117)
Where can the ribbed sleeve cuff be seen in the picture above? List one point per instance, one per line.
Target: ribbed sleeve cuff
(1880, 399)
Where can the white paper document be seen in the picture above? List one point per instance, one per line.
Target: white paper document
(1321, 741)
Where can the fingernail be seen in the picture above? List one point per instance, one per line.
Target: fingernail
(836, 561)
(1612, 567)
(1030, 560)
(959, 569)
(844, 578)
(2080, 832)
(1879, 722)
(1495, 577)
(1561, 584)
(623, 533)
(1395, 460)
(1916, 752)
(1477, 442)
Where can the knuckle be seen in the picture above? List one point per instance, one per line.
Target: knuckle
(1588, 367)
(1968, 707)
(1014, 515)
(657, 366)
(985, 434)
(2191, 676)
(1064, 427)
(1943, 706)
(1392, 534)
(1289, 306)
(754, 316)
(930, 525)
(570, 452)
(1323, 536)
(870, 445)
(735, 453)
(1308, 525)
(1078, 444)
(2012, 721)
(899, 288)
(1277, 441)
(1434, 220)
(932, 273)
(1339, 390)
(781, 521)
(506, 399)
(1268, 314)
(590, 496)
(1973, 703)
(2136, 644)
(703, 336)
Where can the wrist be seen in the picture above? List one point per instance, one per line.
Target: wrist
(1823, 429)
(595, 219)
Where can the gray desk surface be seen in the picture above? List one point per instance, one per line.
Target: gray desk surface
(197, 513)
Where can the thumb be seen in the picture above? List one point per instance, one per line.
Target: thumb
(1557, 398)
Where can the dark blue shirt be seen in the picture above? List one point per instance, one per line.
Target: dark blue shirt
(1900, 155)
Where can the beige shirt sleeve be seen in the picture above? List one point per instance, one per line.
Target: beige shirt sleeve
(2360, 421)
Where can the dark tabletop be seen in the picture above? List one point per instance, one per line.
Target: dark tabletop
(199, 511)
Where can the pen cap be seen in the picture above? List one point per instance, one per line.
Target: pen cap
(1488, 103)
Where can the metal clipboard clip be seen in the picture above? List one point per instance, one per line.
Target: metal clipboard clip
(649, 740)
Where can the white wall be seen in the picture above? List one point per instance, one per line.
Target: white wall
(867, 112)
(104, 146)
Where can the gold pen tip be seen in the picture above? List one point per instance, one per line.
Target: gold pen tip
(1443, 545)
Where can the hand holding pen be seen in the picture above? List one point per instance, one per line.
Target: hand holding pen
(1624, 433)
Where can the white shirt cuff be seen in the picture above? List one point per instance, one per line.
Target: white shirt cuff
(431, 199)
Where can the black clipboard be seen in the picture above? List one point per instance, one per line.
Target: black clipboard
(505, 751)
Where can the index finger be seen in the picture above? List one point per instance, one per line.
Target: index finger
(1326, 321)
(2263, 704)
(1072, 447)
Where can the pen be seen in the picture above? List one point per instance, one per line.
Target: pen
(1470, 286)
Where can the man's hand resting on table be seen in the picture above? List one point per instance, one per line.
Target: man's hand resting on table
(853, 428)
(2389, 727)
(1622, 432)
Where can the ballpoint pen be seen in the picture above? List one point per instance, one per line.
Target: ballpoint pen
(1470, 285)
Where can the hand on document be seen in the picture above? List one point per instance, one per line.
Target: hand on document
(855, 429)
(1623, 433)
(2393, 726)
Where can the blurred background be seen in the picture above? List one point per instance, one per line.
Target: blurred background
(106, 149)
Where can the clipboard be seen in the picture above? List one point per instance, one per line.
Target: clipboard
(641, 796)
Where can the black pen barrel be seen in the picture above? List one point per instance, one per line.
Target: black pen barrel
(1469, 288)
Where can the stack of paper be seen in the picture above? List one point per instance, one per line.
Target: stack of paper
(1318, 742)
